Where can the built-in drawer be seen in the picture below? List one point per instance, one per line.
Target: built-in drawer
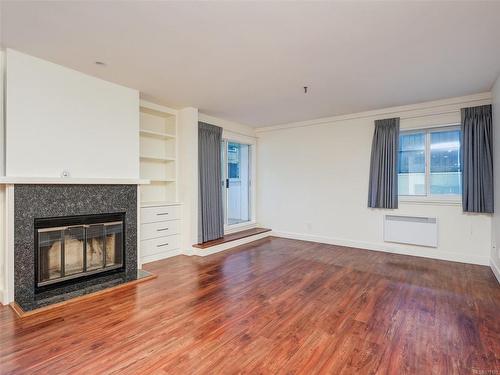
(160, 229)
(159, 245)
(159, 213)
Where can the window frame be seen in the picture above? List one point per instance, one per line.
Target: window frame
(428, 198)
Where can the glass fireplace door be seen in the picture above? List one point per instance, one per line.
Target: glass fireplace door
(49, 255)
(95, 247)
(113, 243)
(68, 252)
(73, 250)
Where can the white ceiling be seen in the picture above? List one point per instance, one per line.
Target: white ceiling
(248, 62)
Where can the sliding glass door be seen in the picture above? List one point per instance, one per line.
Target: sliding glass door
(236, 182)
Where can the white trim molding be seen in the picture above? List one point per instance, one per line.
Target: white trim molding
(496, 269)
(388, 248)
(7, 180)
(429, 200)
(437, 107)
(8, 282)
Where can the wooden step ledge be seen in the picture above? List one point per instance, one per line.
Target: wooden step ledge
(232, 237)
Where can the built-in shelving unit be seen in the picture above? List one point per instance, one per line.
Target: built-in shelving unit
(158, 153)
(160, 210)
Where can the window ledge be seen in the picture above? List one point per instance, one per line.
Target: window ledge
(431, 201)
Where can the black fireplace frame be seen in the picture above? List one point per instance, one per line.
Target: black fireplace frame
(76, 220)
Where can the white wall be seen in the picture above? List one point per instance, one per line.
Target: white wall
(59, 119)
(2, 187)
(188, 175)
(495, 251)
(313, 184)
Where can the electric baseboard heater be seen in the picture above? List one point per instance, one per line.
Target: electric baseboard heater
(412, 230)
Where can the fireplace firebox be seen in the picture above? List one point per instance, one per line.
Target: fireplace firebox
(70, 248)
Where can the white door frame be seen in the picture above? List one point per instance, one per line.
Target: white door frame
(252, 142)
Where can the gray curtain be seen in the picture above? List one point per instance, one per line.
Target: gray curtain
(383, 188)
(211, 216)
(477, 159)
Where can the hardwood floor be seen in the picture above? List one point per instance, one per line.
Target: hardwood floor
(274, 306)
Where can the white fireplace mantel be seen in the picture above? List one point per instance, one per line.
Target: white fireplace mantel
(8, 180)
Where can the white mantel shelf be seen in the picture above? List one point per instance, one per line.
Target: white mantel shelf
(6, 180)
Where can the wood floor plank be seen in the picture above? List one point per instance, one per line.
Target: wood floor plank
(274, 306)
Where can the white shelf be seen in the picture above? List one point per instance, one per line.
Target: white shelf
(157, 134)
(157, 158)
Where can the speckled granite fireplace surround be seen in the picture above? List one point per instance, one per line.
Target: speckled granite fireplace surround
(56, 200)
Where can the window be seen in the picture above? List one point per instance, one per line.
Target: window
(233, 159)
(429, 163)
(236, 173)
(411, 174)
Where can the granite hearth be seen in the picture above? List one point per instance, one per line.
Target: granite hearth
(40, 201)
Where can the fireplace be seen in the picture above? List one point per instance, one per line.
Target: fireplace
(71, 240)
(74, 247)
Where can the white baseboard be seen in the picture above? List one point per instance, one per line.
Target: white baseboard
(388, 248)
(1, 298)
(226, 246)
(495, 268)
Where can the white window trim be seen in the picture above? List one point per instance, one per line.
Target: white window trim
(445, 200)
(432, 200)
(229, 136)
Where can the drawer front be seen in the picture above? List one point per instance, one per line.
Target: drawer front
(160, 229)
(159, 245)
(155, 257)
(159, 213)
